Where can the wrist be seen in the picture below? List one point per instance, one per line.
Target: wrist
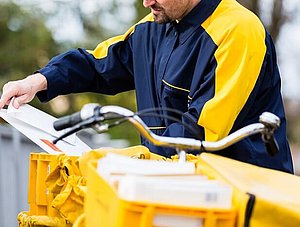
(39, 81)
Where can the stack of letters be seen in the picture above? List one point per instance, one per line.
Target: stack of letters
(163, 182)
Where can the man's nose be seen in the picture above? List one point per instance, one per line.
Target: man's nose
(148, 3)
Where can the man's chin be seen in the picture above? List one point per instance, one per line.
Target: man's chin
(161, 19)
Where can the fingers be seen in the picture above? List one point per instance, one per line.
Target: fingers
(23, 90)
(15, 89)
(20, 100)
(2, 102)
(8, 93)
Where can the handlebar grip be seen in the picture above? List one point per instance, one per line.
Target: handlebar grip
(271, 145)
(67, 121)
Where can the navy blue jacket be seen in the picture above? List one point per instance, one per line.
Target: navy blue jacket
(217, 65)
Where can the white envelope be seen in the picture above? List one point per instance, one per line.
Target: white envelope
(38, 127)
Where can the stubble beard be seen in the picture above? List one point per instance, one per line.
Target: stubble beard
(160, 14)
(162, 18)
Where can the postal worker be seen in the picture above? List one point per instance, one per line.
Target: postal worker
(211, 59)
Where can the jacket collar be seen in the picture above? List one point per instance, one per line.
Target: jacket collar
(193, 20)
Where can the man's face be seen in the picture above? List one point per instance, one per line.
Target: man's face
(169, 10)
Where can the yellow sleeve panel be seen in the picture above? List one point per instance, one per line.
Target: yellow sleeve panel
(102, 48)
(240, 40)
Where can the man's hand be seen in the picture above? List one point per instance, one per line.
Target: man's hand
(23, 90)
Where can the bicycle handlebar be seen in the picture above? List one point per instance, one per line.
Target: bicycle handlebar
(96, 114)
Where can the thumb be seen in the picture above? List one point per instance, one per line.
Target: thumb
(15, 103)
(20, 100)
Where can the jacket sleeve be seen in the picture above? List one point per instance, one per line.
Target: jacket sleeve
(107, 69)
(239, 58)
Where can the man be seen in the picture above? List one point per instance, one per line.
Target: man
(211, 59)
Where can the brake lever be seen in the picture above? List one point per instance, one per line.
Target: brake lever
(84, 124)
(74, 129)
(271, 122)
(271, 144)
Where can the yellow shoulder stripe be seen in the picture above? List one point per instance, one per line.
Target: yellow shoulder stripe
(240, 38)
(102, 48)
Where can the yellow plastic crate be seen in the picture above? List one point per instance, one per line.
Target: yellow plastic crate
(104, 208)
(39, 198)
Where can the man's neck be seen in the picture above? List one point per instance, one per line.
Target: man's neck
(193, 3)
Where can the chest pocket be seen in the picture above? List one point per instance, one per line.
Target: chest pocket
(174, 97)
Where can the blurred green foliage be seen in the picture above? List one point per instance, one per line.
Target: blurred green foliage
(26, 44)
